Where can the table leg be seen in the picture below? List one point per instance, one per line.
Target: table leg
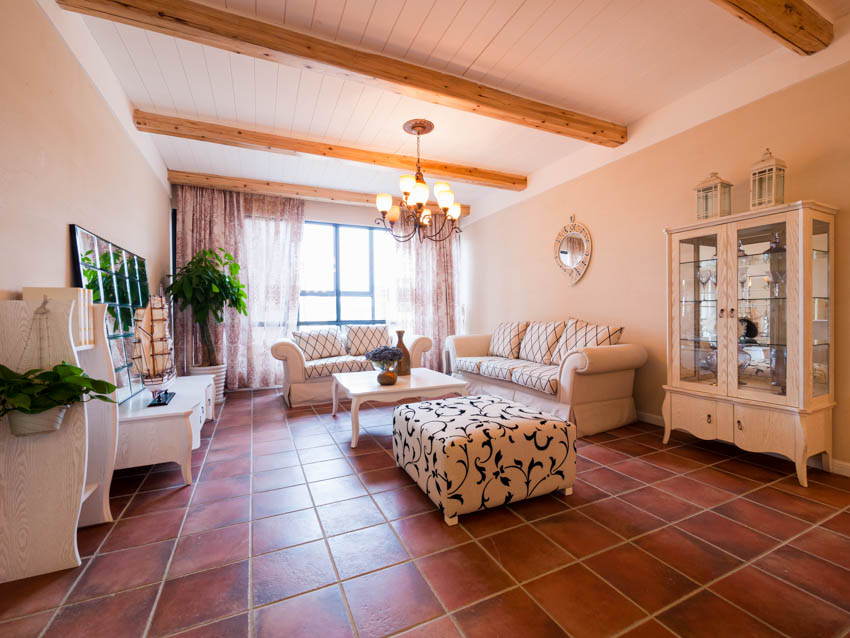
(355, 420)
(334, 396)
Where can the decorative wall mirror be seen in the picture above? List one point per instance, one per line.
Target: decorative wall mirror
(117, 278)
(572, 249)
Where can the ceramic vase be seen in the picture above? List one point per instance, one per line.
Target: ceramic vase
(386, 372)
(403, 367)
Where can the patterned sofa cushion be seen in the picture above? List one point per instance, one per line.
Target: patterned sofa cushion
(472, 364)
(506, 339)
(319, 344)
(344, 363)
(579, 334)
(537, 376)
(501, 368)
(478, 452)
(540, 340)
(362, 339)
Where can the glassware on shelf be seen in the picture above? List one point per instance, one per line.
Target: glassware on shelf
(743, 278)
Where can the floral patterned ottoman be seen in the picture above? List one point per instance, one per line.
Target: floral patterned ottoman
(479, 452)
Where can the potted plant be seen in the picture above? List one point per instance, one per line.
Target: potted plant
(385, 359)
(36, 400)
(208, 283)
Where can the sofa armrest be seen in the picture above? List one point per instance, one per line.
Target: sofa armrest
(417, 345)
(598, 360)
(287, 351)
(467, 346)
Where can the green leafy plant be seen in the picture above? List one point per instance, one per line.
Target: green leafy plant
(208, 283)
(36, 390)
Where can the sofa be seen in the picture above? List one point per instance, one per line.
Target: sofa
(572, 369)
(311, 357)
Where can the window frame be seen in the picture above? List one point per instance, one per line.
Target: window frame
(337, 292)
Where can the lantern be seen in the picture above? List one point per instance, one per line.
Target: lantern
(767, 181)
(714, 197)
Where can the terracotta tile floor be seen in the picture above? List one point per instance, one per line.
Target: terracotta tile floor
(287, 531)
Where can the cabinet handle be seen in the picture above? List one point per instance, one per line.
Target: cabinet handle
(740, 425)
(708, 418)
(732, 312)
(722, 312)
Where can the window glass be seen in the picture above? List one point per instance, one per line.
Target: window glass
(332, 295)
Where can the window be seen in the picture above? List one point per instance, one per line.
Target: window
(338, 274)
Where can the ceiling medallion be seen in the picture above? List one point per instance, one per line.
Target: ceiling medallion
(417, 220)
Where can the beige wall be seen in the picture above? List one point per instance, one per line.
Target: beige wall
(340, 213)
(508, 268)
(65, 159)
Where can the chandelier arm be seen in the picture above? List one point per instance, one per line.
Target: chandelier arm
(390, 228)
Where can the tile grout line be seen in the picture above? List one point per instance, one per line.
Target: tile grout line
(251, 628)
(194, 486)
(91, 558)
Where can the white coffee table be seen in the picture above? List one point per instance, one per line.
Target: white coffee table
(422, 383)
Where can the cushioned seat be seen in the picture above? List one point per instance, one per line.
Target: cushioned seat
(478, 452)
(501, 368)
(326, 367)
(537, 377)
(472, 364)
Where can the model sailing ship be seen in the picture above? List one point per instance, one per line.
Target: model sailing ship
(153, 351)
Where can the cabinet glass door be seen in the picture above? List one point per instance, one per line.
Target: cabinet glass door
(762, 259)
(697, 310)
(821, 310)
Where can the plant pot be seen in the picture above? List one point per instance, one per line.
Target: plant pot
(387, 371)
(26, 424)
(218, 371)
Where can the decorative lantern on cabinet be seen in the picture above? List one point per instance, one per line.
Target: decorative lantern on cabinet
(714, 197)
(767, 181)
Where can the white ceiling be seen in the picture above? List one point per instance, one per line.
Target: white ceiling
(615, 59)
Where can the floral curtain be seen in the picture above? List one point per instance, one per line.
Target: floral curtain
(419, 289)
(263, 233)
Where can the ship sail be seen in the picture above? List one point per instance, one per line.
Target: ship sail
(153, 351)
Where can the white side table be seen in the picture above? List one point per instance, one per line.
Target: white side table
(169, 433)
(422, 383)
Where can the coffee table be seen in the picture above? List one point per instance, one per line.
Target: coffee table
(422, 383)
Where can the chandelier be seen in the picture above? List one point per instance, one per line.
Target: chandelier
(424, 223)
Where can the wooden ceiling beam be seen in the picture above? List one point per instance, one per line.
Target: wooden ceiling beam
(792, 22)
(263, 187)
(248, 36)
(257, 140)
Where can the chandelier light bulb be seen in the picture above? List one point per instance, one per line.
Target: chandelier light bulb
(406, 183)
(454, 212)
(425, 219)
(445, 198)
(393, 214)
(439, 187)
(420, 193)
(383, 202)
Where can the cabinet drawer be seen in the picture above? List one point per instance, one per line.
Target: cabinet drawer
(760, 430)
(209, 395)
(695, 415)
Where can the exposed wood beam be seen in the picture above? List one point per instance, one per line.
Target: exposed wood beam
(792, 22)
(257, 140)
(264, 187)
(248, 36)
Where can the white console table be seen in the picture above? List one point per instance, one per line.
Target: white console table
(169, 433)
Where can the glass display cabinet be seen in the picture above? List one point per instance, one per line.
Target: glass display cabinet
(750, 328)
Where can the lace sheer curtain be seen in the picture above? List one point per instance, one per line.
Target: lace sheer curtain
(419, 287)
(263, 233)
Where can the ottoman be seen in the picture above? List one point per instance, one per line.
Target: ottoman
(478, 452)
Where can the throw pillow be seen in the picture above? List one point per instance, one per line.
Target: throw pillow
(319, 344)
(362, 339)
(579, 334)
(540, 340)
(506, 339)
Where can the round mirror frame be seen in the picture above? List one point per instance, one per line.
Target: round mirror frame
(575, 273)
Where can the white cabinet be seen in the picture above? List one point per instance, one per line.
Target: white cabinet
(169, 433)
(750, 331)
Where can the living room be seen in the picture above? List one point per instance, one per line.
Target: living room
(583, 381)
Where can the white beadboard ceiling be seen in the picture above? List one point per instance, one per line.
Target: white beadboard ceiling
(615, 59)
